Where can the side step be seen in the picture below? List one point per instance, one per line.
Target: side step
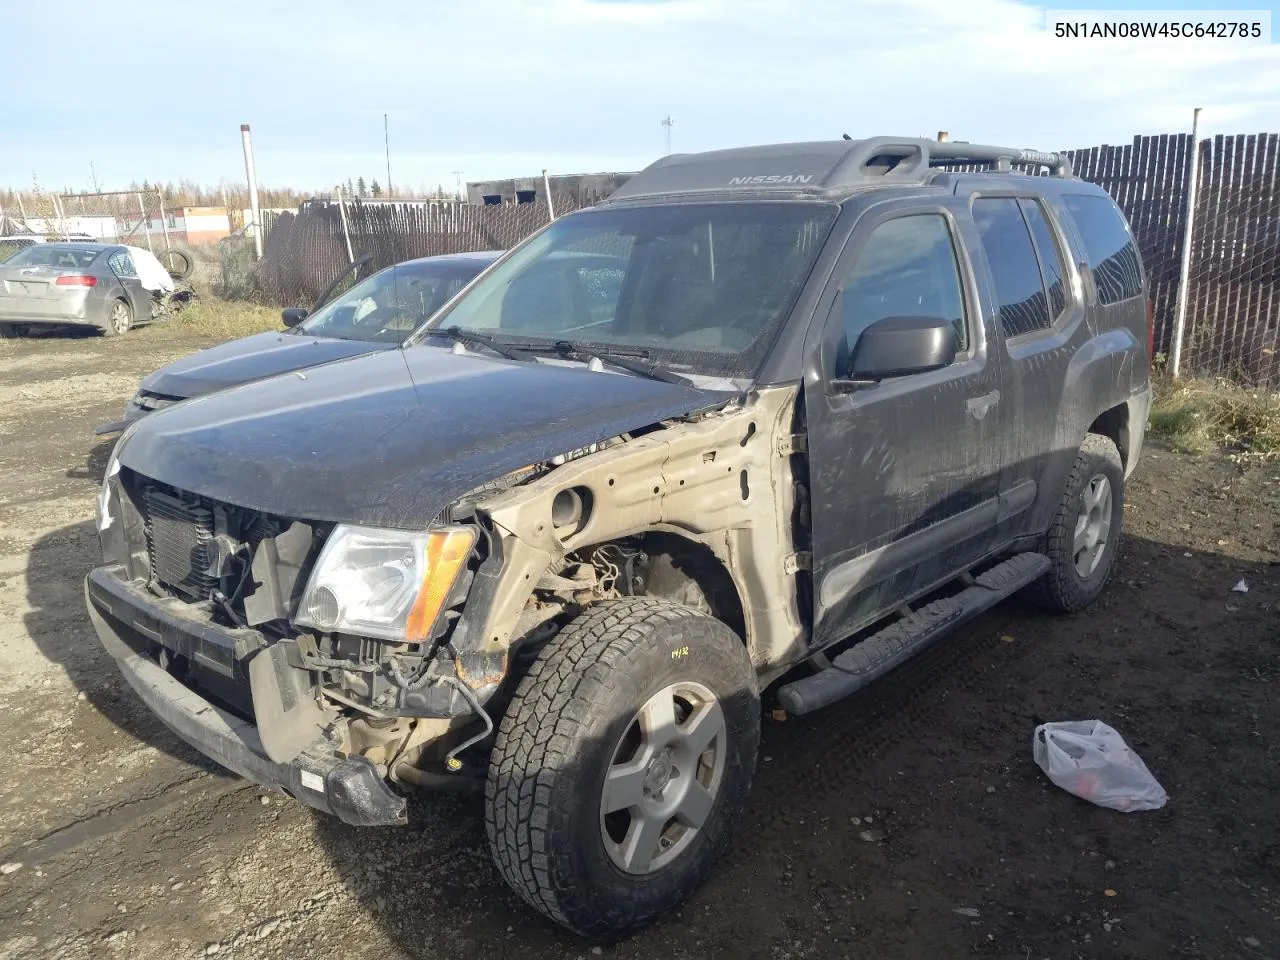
(882, 651)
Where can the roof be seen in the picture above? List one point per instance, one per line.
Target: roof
(825, 168)
(83, 244)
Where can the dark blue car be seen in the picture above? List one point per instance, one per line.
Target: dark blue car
(377, 313)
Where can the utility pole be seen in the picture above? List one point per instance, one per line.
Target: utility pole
(457, 183)
(668, 123)
(386, 140)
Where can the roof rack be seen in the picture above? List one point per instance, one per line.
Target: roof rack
(828, 167)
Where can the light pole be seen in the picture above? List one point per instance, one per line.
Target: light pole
(668, 123)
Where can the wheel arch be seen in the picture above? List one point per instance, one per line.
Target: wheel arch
(1113, 423)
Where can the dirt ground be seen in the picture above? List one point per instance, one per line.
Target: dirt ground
(906, 822)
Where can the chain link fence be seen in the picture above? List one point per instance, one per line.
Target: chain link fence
(1233, 309)
(304, 251)
(1233, 306)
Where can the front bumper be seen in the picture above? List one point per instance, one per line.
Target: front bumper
(126, 619)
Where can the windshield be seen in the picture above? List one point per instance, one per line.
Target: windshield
(702, 287)
(50, 255)
(391, 304)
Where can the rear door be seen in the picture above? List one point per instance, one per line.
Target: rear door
(121, 264)
(1041, 323)
(903, 473)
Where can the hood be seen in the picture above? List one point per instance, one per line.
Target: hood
(252, 358)
(392, 438)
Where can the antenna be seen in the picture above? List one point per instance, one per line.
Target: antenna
(668, 123)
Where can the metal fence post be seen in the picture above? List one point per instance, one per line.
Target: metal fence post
(252, 176)
(62, 220)
(546, 186)
(346, 233)
(146, 226)
(164, 224)
(1184, 271)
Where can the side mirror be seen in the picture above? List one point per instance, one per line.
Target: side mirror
(292, 316)
(898, 346)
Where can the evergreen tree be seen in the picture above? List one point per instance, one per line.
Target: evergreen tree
(360, 189)
(374, 189)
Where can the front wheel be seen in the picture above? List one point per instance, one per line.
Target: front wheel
(119, 319)
(622, 764)
(1085, 533)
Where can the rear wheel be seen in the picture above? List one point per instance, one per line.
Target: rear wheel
(622, 764)
(1085, 532)
(119, 319)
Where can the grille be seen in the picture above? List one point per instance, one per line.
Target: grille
(180, 543)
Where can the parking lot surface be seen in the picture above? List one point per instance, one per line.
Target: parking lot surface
(906, 822)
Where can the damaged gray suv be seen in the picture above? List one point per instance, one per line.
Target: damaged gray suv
(778, 416)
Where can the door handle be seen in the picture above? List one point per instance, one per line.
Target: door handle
(978, 406)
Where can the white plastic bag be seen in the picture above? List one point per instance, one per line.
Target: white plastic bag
(1088, 758)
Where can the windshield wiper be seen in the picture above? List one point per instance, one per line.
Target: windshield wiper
(459, 335)
(633, 361)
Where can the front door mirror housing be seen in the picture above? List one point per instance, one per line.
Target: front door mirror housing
(900, 346)
(292, 316)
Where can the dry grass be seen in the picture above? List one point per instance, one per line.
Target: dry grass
(217, 319)
(1195, 416)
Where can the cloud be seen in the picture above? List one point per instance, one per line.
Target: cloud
(506, 87)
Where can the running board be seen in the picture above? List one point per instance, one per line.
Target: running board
(882, 651)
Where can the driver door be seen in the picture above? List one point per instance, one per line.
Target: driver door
(903, 472)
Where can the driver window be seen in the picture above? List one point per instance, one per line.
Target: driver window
(907, 268)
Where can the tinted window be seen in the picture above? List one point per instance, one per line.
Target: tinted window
(907, 269)
(1050, 255)
(52, 255)
(1109, 245)
(1019, 291)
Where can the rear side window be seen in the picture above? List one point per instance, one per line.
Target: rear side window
(1049, 253)
(907, 268)
(122, 265)
(1117, 274)
(1020, 289)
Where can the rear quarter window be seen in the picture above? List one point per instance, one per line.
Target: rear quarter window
(1113, 258)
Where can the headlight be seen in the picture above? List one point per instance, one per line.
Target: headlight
(383, 583)
(104, 493)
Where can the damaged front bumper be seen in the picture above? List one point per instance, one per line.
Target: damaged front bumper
(129, 623)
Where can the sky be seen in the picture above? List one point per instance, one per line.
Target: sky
(150, 89)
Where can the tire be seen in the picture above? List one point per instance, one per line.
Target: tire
(119, 318)
(575, 716)
(1067, 587)
(13, 331)
(178, 262)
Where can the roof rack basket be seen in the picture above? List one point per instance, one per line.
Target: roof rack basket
(917, 154)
